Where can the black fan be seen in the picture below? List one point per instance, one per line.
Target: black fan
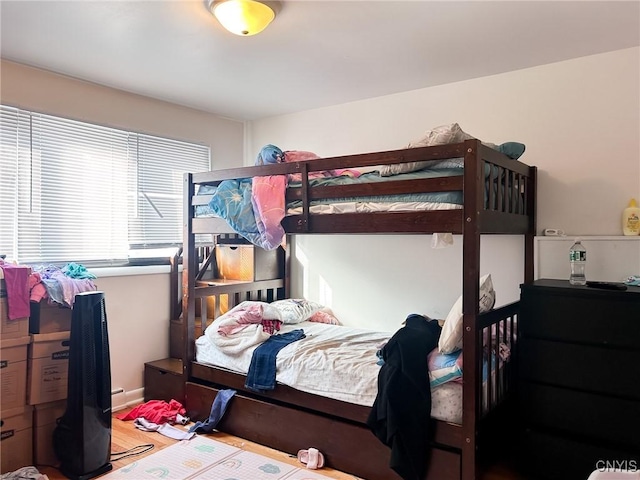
(82, 438)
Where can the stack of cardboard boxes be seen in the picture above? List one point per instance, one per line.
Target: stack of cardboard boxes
(34, 359)
(16, 416)
(47, 374)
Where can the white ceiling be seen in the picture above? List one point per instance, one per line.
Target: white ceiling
(314, 54)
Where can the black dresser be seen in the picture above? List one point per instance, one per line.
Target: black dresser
(579, 380)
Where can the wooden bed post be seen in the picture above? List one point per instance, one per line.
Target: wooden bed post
(189, 272)
(472, 370)
(529, 237)
(288, 254)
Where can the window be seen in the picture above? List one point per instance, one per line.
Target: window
(73, 191)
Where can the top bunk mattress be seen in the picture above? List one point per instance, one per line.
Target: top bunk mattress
(234, 197)
(415, 190)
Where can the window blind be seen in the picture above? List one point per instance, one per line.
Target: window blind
(87, 193)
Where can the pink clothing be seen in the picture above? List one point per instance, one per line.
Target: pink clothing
(16, 279)
(245, 314)
(37, 289)
(70, 287)
(156, 411)
(267, 198)
(301, 156)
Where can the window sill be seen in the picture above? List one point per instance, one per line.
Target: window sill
(102, 272)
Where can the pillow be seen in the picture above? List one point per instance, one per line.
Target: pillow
(295, 310)
(444, 368)
(324, 316)
(513, 150)
(441, 135)
(451, 336)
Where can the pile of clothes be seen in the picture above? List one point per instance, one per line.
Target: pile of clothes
(60, 285)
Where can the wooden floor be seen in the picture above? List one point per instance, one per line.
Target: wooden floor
(126, 436)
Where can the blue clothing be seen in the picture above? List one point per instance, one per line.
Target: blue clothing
(76, 270)
(269, 154)
(262, 370)
(218, 407)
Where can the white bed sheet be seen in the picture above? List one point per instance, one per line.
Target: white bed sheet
(371, 207)
(318, 365)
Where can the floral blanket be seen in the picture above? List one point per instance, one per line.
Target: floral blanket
(253, 209)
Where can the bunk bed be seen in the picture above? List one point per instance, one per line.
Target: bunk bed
(497, 197)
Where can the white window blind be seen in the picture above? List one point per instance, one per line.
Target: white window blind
(88, 193)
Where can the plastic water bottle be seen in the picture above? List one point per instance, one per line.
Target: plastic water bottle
(578, 260)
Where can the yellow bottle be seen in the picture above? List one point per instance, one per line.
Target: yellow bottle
(631, 219)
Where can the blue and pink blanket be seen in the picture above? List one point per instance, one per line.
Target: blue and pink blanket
(255, 207)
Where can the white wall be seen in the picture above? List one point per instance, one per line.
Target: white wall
(609, 259)
(138, 323)
(46, 92)
(138, 305)
(580, 121)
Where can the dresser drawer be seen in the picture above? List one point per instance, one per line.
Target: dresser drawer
(601, 419)
(580, 367)
(581, 316)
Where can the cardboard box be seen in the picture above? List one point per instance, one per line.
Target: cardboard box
(18, 327)
(16, 432)
(13, 372)
(48, 368)
(45, 417)
(49, 318)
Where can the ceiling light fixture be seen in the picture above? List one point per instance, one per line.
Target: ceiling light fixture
(242, 17)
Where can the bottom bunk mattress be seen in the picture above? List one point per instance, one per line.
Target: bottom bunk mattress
(337, 362)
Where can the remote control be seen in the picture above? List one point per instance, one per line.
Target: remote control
(607, 285)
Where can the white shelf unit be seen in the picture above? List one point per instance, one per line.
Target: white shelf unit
(609, 258)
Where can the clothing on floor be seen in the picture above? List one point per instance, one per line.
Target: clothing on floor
(165, 429)
(182, 420)
(156, 411)
(262, 369)
(24, 473)
(218, 407)
(16, 280)
(401, 414)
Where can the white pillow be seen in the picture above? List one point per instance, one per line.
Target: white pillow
(295, 310)
(451, 335)
(442, 135)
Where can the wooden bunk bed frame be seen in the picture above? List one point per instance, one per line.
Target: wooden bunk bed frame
(288, 419)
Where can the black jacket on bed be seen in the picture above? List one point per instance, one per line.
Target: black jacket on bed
(401, 414)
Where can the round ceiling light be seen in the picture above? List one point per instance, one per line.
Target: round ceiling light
(242, 17)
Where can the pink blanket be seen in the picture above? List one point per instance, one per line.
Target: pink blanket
(16, 279)
(268, 197)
